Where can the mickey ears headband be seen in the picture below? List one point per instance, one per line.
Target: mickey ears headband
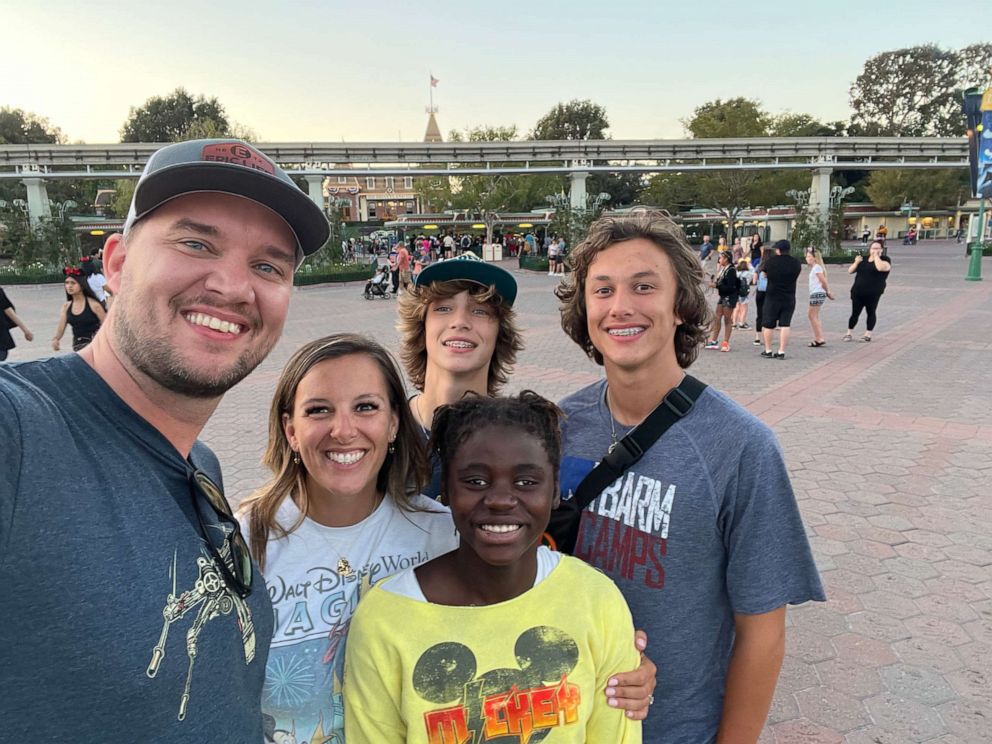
(72, 271)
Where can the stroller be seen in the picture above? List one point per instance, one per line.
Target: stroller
(378, 285)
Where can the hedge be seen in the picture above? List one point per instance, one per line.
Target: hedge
(31, 277)
(302, 278)
(323, 275)
(534, 263)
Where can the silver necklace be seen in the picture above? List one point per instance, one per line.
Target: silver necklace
(613, 424)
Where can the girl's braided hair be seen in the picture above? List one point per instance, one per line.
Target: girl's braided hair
(529, 412)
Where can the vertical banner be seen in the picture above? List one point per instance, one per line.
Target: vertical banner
(983, 139)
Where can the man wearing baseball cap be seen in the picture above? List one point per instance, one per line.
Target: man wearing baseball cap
(132, 610)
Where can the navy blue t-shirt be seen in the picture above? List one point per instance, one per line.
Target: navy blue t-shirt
(115, 624)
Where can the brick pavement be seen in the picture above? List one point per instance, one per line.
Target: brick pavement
(889, 446)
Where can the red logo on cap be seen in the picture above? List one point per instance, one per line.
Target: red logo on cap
(237, 154)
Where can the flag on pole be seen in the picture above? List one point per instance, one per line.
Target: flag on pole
(434, 81)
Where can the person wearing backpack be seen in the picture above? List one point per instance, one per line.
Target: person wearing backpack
(697, 525)
(745, 278)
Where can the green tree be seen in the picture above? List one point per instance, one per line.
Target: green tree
(585, 120)
(486, 196)
(731, 191)
(927, 188)
(727, 192)
(575, 120)
(673, 192)
(804, 125)
(975, 67)
(736, 117)
(20, 128)
(484, 134)
(911, 92)
(122, 199)
(178, 116)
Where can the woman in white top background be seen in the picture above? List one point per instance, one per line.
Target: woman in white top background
(819, 292)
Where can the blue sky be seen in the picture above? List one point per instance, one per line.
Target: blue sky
(331, 71)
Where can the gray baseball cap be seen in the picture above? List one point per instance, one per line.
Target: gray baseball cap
(232, 167)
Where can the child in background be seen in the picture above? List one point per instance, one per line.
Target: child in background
(499, 624)
(819, 292)
(745, 276)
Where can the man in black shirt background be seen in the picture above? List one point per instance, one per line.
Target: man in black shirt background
(782, 271)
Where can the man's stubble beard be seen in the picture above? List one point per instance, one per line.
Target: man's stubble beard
(159, 361)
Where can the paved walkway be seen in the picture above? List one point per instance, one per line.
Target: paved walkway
(889, 445)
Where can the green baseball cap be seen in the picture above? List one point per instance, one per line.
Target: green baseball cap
(471, 268)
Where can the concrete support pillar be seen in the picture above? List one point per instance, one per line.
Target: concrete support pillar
(819, 193)
(578, 190)
(315, 188)
(38, 205)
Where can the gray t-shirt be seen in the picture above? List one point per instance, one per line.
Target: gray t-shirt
(115, 624)
(703, 527)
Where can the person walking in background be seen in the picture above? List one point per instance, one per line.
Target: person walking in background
(81, 310)
(737, 251)
(760, 288)
(745, 278)
(553, 257)
(93, 271)
(728, 288)
(8, 322)
(705, 249)
(819, 292)
(394, 270)
(403, 260)
(865, 235)
(782, 270)
(755, 250)
(870, 276)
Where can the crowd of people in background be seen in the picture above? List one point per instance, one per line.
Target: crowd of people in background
(773, 273)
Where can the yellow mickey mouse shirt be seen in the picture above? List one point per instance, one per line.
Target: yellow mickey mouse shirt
(532, 669)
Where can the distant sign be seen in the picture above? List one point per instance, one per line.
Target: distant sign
(978, 114)
(984, 135)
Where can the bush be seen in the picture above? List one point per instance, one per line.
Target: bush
(39, 273)
(351, 272)
(534, 263)
(51, 241)
(36, 273)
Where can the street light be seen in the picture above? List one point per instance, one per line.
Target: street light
(837, 194)
(64, 207)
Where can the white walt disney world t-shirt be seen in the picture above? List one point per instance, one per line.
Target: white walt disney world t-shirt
(313, 603)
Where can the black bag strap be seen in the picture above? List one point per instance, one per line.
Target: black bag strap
(639, 440)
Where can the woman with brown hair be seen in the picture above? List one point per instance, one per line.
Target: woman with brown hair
(342, 511)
